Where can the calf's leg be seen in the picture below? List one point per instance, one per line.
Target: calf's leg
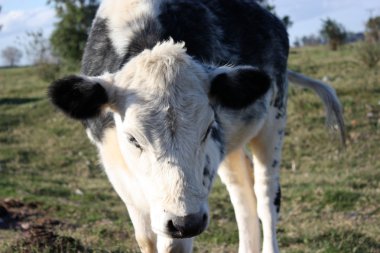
(266, 149)
(236, 173)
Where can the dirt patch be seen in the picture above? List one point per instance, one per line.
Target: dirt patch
(43, 239)
(37, 230)
(15, 214)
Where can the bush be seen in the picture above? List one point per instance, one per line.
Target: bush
(369, 54)
(334, 33)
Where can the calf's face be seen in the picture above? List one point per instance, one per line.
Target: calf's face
(165, 110)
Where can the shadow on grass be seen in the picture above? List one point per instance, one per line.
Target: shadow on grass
(18, 101)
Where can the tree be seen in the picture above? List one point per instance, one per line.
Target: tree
(286, 19)
(37, 47)
(12, 55)
(75, 18)
(372, 30)
(333, 32)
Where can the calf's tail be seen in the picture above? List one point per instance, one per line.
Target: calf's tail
(330, 100)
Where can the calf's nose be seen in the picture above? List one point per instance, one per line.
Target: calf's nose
(187, 226)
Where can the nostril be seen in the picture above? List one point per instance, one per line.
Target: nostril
(204, 218)
(171, 227)
(187, 226)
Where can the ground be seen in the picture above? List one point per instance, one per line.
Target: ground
(54, 196)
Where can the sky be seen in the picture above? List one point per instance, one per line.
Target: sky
(20, 16)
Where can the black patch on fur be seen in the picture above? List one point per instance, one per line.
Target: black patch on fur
(206, 172)
(280, 100)
(78, 97)
(100, 55)
(216, 134)
(171, 118)
(98, 125)
(190, 22)
(240, 90)
(277, 200)
(144, 38)
(257, 36)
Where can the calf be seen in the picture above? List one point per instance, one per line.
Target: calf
(173, 92)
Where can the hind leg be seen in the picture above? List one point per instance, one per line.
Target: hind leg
(266, 149)
(236, 173)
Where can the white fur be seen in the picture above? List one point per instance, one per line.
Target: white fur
(121, 15)
(157, 80)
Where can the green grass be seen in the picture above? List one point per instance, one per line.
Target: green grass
(331, 196)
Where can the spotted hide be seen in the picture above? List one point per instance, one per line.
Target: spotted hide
(173, 92)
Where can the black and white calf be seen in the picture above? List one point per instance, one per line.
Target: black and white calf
(174, 91)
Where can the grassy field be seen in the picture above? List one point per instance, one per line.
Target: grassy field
(54, 196)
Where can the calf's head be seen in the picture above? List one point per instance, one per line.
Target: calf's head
(165, 108)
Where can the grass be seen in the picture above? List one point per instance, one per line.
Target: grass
(331, 196)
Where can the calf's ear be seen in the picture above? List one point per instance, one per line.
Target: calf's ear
(238, 87)
(79, 97)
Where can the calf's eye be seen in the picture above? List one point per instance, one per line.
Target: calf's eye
(133, 141)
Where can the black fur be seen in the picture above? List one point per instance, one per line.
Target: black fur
(100, 55)
(277, 199)
(145, 38)
(241, 89)
(191, 23)
(206, 171)
(78, 97)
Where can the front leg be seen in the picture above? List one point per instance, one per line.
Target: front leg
(236, 173)
(170, 245)
(266, 149)
(144, 235)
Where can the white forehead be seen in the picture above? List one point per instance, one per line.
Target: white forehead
(167, 95)
(165, 68)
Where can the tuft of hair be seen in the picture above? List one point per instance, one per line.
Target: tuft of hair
(165, 60)
(78, 97)
(334, 110)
